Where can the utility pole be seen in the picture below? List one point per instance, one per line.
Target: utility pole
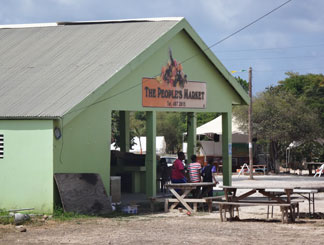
(250, 125)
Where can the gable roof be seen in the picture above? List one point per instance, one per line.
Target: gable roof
(48, 69)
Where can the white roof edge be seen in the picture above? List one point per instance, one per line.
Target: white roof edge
(13, 26)
(123, 20)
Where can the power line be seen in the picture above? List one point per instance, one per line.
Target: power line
(275, 58)
(263, 49)
(289, 69)
(239, 30)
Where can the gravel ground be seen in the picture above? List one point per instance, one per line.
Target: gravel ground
(179, 228)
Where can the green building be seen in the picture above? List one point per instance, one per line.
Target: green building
(60, 82)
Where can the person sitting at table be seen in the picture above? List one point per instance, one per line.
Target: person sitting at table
(207, 174)
(194, 170)
(178, 170)
(164, 171)
(194, 174)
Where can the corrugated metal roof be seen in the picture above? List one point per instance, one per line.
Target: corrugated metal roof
(47, 70)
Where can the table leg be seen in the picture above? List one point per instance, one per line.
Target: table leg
(210, 205)
(292, 213)
(195, 206)
(166, 205)
(221, 212)
(231, 211)
(309, 203)
(184, 194)
(284, 214)
(181, 199)
(313, 204)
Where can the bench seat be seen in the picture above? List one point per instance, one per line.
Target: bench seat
(285, 208)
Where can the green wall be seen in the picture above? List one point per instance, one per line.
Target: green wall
(86, 137)
(26, 171)
(85, 144)
(126, 94)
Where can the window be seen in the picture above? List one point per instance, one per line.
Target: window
(1, 146)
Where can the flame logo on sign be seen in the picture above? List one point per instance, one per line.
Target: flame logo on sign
(172, 74)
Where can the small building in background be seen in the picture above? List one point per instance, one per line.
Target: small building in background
(209, 138)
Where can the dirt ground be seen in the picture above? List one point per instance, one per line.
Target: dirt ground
(179, 228)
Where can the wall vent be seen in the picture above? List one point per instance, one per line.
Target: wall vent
(1, 146)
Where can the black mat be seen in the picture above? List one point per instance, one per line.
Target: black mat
(83, 193)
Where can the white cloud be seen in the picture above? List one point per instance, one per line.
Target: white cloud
(297, 23)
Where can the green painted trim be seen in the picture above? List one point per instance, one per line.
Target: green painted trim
(192, 140)
(227, 148)
(136, 182)
(211, 56)
(150, 159)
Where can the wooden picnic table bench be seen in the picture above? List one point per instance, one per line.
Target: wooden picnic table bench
(287, 206)
(185, 189)
(308, 194)
(229, 207)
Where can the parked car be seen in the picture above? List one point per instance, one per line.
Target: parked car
(169, 160)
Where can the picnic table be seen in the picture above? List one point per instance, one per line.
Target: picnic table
(268, 198)
(186, 188)
(306, 193)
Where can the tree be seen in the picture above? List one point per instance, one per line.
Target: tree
(172, 125)
(279, 118)
(137, 125)
(115, 129)
(243, 83)
(204, 117)
(309, 87)
(115, 125)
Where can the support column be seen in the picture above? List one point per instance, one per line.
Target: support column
(191, 134)
(108, 169)
(124, 131)
(227, 147)
(150, 159)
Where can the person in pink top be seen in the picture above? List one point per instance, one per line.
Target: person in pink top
(178, 171)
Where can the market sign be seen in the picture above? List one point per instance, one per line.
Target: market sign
(172, 89)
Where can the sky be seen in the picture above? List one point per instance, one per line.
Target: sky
(290, 39)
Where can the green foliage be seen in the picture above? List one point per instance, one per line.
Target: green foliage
(172, 125)
(281, 116)
(59, 214)
(115, 125)
(309, 87)
(115, 130)
(5, 219)
(243, 83)
(137, 125)
(204, 117)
